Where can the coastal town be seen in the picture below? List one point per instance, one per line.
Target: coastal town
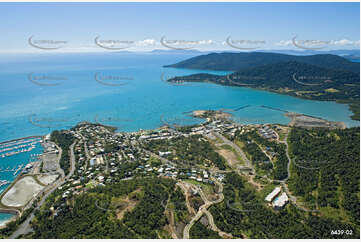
(180, 120)
(100, 157)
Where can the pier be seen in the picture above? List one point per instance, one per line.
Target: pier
(17, 170)
(4, 182)
(18, 146)
(14, 169)
(25, 138)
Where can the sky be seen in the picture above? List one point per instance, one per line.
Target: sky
(74, 27)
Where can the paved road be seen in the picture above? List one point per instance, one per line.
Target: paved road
(58, 170)
(199, 214)
(288, 157)
(283, 182)
(289, 161)
(292, 198)
(240, 152)
(203, 210)
(85, 150)
(61, 171)
(214, 226)
(25, 226)
(210, 216)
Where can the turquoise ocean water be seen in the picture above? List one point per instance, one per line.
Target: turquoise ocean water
(87, 89)
(30, 109)
(4, 217)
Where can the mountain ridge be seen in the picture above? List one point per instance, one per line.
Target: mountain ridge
(227, 61)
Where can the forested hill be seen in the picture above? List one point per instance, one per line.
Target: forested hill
(292, 78)
(237, 61)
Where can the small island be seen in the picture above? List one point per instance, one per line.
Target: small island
(211, 114)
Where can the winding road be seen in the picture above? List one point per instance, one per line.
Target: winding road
(203, 210)
(86, 151)
(292, 198)
(288, 156)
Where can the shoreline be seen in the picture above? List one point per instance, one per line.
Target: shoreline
(197, 114)
(348, 103)
(15, 215)
(308, 121)
(4, 209)
(297, 120)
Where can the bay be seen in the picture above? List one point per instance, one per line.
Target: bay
(128, 91)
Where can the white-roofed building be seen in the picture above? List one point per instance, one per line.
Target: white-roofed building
(273, 194)
(280, 201)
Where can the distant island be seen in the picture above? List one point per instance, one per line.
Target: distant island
(315, 77)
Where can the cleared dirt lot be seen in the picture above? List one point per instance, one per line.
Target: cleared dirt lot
(22, 192)
(229, 156)
(50, 162)
(47, 179)
(301, 120)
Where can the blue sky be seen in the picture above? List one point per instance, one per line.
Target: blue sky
(204, 26)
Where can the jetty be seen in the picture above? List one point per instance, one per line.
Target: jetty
(17, 170)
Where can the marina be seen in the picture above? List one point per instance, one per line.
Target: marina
(20, 141)
(18, 147)
(3, 182)
(18, 157)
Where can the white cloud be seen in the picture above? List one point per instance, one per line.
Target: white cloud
(284, 43)
(146, 42)
(345, 42)
(206, 42)
(315, 42)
